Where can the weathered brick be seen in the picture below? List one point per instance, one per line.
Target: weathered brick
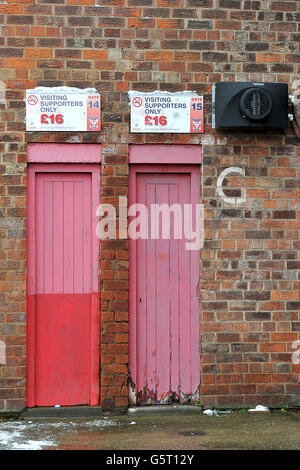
(267, 58)
(19, 19)
(38, 53)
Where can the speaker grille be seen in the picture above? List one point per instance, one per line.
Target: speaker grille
(256, 104)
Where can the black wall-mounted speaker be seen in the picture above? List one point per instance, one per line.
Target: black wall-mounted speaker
(243, 105)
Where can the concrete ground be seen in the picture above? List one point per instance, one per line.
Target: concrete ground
(156, 431)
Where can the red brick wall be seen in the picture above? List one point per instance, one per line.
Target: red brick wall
(250, 260)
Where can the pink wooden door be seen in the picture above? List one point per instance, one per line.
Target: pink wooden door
(164, 310)
(62, 312)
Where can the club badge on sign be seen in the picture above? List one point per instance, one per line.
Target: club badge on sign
(94, 122)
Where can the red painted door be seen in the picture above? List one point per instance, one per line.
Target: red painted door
(164, 310)
(62, 313)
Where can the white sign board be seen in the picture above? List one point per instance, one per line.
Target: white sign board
(63, 109)
(161, 111)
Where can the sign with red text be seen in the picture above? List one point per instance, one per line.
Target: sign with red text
(63, 109)
(160, 111)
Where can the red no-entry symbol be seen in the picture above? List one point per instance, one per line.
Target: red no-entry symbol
(32, 99)
(137, 101)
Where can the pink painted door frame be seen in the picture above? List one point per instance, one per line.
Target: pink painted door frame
(137, 385)
(34, 170)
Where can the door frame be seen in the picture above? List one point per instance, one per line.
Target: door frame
(33, 170)
(134, 170)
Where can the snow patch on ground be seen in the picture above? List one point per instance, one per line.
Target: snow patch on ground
(22, 435)
(15, 440)
(101, 423)
(31, 445)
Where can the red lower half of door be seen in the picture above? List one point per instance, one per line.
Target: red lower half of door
(63, 348)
